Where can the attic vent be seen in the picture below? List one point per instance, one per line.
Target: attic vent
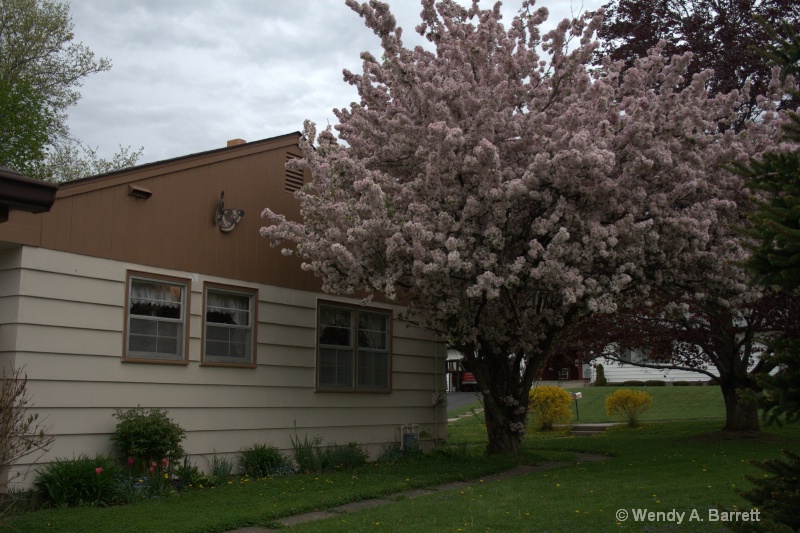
(294, 178)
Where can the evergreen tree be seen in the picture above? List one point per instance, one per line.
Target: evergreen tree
(776, 260)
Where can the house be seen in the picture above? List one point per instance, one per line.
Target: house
(139, 288)
(619, 372)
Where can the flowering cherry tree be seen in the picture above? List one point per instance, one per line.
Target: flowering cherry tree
(503, 195)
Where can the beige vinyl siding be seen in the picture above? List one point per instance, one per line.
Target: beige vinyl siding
(68, 327)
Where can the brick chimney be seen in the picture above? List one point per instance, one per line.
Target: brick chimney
(236, 142)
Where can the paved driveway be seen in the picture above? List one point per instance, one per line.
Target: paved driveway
(460, 399)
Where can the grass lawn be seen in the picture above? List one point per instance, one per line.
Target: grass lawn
(681, 465)
(669, 403)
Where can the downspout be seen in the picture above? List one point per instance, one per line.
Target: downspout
(436, 404)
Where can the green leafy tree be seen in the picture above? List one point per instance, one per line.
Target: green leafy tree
(26, 122)
(41, 69)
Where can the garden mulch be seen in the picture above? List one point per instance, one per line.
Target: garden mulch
(522, 470)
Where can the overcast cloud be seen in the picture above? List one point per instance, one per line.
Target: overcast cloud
(188, 75)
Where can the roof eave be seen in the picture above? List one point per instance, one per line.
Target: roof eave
(25, 194)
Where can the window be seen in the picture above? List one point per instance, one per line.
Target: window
(229, 334)
(353, 350)
(156, 318)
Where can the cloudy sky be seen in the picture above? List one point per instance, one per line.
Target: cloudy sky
(188, 75)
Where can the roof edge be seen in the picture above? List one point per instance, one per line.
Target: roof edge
(25, 194)
(135, 173)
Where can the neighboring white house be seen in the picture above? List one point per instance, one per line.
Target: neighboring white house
(617, 372)
(130, 291)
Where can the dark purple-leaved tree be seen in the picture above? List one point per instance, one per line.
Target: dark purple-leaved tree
(722, 35)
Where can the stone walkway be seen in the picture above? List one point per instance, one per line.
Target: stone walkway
(410, 494)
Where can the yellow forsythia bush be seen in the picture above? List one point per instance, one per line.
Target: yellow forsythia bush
(628, 404)
(550, 405)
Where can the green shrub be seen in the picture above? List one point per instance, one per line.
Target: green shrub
(81, 481)
(628, 404)
(307, 453)
(391, 453)
(681, 384)
(263, 460)
(633, 383)
(550, 405)
(655, 383)
(600, 377)
(148, 437)
(344, 457)
(221, 469)
(188, 475)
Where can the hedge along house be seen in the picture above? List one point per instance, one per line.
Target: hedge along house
(142, 287)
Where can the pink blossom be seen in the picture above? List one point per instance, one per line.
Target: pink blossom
(501, 200)
(164, 462)
(98, 470)
(130, 461)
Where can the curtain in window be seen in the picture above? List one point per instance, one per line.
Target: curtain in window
(156, 294)
(226, 308)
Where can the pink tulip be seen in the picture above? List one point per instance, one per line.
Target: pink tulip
(130, 461)
(98, 470)
(152, 468)
(164, 462)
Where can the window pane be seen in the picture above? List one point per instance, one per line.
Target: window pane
(167, 346)
(336, 316)
(228, 308)
(228, 344)
(335, 326)
(373, 330)
(144, 327)
(335, 368)
(217, 333)
(142, 343)
(373, 370)
(373, 321)
(155, 337)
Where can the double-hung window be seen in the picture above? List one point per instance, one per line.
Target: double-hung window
(353, 348)
(229, 335)
(156, 318)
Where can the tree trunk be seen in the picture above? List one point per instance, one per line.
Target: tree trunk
(741, 414)
(505, 396)
(504, 428)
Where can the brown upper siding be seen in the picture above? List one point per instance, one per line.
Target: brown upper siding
(175, 228)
